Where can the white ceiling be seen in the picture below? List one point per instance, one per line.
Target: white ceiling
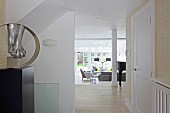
(93, 18)
(97, 18)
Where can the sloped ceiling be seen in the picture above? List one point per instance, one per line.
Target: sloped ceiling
(17, 9)
(40, 16)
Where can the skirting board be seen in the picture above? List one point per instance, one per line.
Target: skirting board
(128, 104)
(72, 109)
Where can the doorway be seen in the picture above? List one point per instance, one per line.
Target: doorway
(86, 50)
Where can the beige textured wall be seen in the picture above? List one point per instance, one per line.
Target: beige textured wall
(128, 48)
(128, 58)
(3, 41)
(162, 38)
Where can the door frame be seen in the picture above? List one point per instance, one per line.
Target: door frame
(150, 4)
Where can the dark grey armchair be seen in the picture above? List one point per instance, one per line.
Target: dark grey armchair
(86, 74)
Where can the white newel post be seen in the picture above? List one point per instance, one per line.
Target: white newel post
(114, 57)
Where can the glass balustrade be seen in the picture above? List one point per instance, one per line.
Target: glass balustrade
(46, 97)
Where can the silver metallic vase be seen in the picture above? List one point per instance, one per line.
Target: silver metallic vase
(15, 35)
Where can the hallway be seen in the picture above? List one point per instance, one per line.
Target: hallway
(100, 98)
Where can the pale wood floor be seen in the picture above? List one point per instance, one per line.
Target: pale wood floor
(100, 98)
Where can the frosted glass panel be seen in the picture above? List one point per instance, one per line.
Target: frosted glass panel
(46, 98)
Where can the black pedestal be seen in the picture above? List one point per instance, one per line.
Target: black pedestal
(17, 90)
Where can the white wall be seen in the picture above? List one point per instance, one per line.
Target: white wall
(56, 64)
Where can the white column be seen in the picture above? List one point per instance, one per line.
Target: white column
(114, 58)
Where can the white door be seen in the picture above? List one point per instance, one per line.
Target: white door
(141, 60)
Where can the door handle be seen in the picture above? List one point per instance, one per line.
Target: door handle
(134, 69)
